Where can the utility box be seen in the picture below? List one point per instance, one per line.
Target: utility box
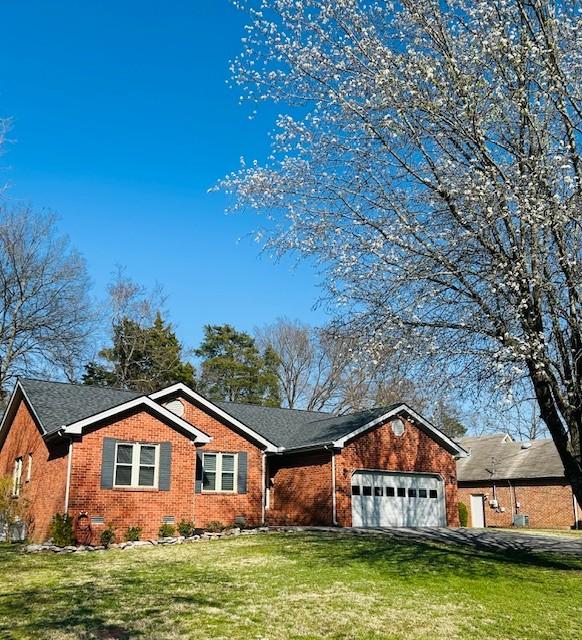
(520, 520)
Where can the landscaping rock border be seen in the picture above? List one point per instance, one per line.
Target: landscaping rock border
(48, 547)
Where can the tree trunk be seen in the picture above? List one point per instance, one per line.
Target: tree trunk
(568, 446)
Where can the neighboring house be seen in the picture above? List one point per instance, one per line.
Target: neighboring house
(134, 460)
(503, 483)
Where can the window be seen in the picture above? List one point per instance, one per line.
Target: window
(390, 492)
(29, 468)
(422, 493)
(401, 492)
(136, 465)
(219, 471)
(356, 490)
(433, 493)
(17, 477)
(367, 491)
(378, 491)
(412, 493)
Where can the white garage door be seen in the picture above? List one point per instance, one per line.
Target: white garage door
(385, 499)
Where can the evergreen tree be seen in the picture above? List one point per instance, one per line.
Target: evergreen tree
(234, 369)
(448, 420)
(142, 358)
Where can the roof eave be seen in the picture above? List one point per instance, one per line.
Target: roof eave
(76, 428)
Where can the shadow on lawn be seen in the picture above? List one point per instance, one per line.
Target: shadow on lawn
(92, 609)
(405, 555)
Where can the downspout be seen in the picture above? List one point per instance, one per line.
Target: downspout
(511, 501)
(333, 496)
(576, 518)
(264, 484)
(69, 468)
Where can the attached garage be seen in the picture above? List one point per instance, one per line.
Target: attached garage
(390, 499)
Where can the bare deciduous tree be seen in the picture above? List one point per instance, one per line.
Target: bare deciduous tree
(322, 370)
(45, 314)
(433, 169)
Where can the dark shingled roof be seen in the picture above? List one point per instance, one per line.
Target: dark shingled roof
(59, 403)
(498, 457)
(293, 428)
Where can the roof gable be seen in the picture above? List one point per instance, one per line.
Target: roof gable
(69, 408)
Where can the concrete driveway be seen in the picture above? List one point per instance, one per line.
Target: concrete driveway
(519, 542)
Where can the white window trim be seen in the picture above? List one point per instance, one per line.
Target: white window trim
(218, 472)
(135, 465)
(17, 477)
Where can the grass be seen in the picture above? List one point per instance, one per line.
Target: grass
(291, 586)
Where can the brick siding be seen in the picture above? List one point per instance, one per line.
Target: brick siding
(547, 503)
(225, 507)
(125, 508)
(300, 489)
(45, 492)
(380, 449)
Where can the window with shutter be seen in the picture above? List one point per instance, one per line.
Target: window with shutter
(136, 465)
(219, 472)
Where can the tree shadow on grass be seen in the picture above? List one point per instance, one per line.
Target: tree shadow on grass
(92, 609)
(404, 556)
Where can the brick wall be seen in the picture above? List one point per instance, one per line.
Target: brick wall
(142, 507)
(301, 484)
(300, 489)
(46, 489)
(225, 507)
(547, 503)
(379, 448)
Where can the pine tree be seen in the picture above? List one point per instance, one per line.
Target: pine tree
(234, 369)
(142, 358)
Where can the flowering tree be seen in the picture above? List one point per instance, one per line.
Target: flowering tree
(430, 162)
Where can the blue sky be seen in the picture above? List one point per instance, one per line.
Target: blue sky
(122, 120)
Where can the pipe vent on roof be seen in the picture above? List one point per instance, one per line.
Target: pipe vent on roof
(526, 445)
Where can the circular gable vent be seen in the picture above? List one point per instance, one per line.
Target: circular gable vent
(397, 427)
(175, 406)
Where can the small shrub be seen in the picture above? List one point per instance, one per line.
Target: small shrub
(132, 534)
(107, 536)
(463, 514)
(166, 530)
(215, 526)
(62, 530)
(186, 528)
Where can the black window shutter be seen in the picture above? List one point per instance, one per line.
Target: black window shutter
(164, 481)
(242, 472)
(107, 463)
(199, 471)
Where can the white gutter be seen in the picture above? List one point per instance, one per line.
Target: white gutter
(69, 468)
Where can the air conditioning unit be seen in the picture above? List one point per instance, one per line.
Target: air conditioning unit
(520, 520)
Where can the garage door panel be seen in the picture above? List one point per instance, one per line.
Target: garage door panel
(386, 499)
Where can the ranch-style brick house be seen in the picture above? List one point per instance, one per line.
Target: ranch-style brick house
(506, 483)
(136, 460)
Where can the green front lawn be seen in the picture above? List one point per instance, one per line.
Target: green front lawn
(283, 586)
